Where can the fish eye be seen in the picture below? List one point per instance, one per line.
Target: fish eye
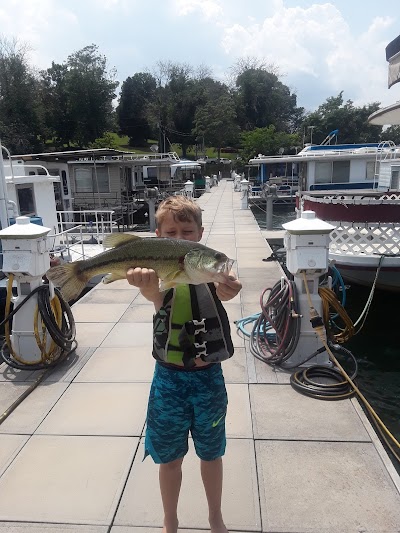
(218, 256)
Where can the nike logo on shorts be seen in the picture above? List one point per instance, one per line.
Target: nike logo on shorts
(215, 423)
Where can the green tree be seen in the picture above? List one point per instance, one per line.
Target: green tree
(83, 89)
(262, 99)
(392, 134)
(351, 121)
(21, 116)
(267, 141)
(56, 103)
(132, 112)
(108, 140)
(216, 120)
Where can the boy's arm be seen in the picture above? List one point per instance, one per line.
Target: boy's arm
(148, 283)
(229, 289)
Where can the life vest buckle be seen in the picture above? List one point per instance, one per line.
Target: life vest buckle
(201, 349)
(194, 327)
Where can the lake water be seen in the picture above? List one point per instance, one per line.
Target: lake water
(376, 347)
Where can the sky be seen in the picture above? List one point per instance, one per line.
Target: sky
(320, 48)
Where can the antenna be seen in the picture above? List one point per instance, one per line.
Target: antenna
(154, 148)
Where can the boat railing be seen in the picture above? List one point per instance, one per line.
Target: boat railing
(365, 238)
(154, 156)
(385, 149)
(84, 227)
(62, 245)
(352, 197)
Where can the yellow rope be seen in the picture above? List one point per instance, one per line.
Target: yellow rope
(321, 333)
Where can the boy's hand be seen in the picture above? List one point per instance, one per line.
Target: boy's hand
(148, 283)
(229, 288)
(143, 278)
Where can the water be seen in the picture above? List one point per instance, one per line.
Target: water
(376, 347)
(280, 216)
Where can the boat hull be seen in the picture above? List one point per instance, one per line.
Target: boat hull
(362, 270)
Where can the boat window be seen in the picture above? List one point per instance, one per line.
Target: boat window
(323, 172)
(26, 202)
(395, 183)
(341, 172)
(85, 179)
(103, 180)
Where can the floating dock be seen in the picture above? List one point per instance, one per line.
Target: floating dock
(71, 453)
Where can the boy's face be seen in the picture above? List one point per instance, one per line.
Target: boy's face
(176, 229)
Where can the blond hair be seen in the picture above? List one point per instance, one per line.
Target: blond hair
(182, 209)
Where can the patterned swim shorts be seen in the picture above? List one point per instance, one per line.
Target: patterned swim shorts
(183, 401)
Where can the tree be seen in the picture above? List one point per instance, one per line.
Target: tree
(351, 121)
(267, 141)
(392, 134)
(136, 94)
(179, 93)
(83, 90)
(215, 121)
(108, 140)
(262, 99)
(56, 103)
(21, 124)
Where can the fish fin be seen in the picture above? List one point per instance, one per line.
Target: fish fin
(118, 239)
(109, 278)
(164, 285)
(169, 282)
(65, 277)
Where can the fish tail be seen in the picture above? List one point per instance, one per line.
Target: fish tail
(70, 280)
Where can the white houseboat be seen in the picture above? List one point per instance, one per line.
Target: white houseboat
(322, 167)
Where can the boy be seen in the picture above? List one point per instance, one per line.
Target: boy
(185, 397)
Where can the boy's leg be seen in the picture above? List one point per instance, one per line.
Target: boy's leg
(169, 416)
(170, 476)
(208, 431)
(212, 474)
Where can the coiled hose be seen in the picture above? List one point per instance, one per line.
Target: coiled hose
(53, 316)
(276, 329)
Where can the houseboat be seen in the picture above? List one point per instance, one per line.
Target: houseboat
(111, 179)
(322, 167)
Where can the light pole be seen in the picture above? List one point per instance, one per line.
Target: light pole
(311, 128)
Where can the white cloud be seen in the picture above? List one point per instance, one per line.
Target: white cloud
(317, 42)
(37, 21)
(210, 9)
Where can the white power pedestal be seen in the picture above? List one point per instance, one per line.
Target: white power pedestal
(189, 188)
(26, 255)
(307, 246)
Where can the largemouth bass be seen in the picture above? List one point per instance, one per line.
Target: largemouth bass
(175, 261)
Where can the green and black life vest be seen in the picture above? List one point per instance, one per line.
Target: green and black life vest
(191, 323)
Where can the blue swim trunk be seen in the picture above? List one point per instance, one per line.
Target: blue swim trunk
(186, 401)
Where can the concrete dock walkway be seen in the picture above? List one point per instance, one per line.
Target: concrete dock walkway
(71, 453)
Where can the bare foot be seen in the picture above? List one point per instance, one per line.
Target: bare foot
(217, 525)
(170, 526)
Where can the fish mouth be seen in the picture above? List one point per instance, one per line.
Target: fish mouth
(225, 267)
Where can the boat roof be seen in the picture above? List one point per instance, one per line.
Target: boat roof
(186, 163)
(67, 155)
(389, 115)
(323, 152)
(100, 154)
